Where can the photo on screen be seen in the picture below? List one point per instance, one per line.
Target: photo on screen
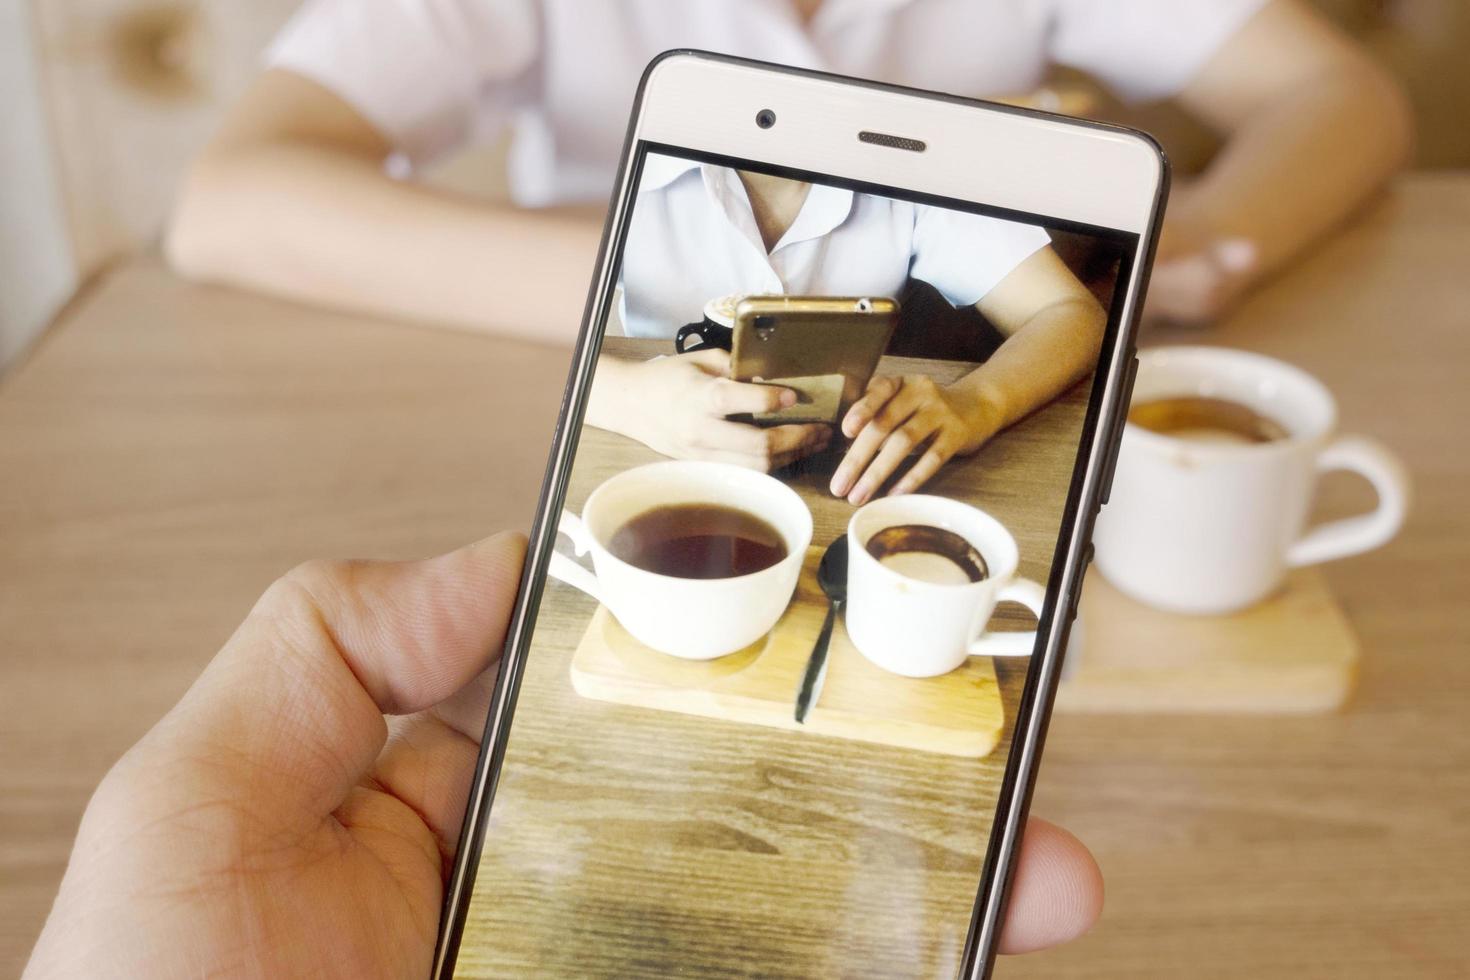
(811, 525)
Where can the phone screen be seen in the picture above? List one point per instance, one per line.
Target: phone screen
(683, 790)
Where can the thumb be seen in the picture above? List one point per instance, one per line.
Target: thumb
(292, 708)
(1057, 894)
(715, 360)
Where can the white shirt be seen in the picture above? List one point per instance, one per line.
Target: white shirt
(435, 74)
(693, 237)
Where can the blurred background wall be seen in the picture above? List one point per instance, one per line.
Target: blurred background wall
(37, 272)
(103, 102)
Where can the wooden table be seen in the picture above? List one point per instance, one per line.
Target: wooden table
(768, 833)
(171, 448)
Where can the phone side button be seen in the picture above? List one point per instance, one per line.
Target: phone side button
(1120, 418)
(1082, 568)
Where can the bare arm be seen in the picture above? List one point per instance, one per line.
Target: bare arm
(291, 198)
(1313, 126)
(1054, 329)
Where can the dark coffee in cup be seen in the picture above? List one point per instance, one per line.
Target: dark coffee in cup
(928, 554)
(1206, 420)
(700, 541)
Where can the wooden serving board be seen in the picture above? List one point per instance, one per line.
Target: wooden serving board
(1294, 653)
(959, 713)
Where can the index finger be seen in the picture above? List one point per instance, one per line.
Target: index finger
(300, 690)
(880, 391)
(728, 397)
(750, 440)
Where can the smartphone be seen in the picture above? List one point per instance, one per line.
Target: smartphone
(824, 348)
(695, 765)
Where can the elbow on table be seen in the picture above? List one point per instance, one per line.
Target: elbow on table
(1090, 320)
(1383, 105)
(197, 236)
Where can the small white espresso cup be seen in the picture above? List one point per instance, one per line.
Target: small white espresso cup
(697, 619)
(922, 629)
(1205, 527)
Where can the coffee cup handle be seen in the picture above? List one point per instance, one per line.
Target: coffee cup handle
(1351, 535)
(1012, 644)
(564, 569)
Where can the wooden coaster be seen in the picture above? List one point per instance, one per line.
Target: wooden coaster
(1294, 653)
(959, 713)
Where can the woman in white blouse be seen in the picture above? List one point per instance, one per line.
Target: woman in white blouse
(307, 190)
(700, 231)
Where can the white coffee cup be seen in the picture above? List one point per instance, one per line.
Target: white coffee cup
(1206, 527)
(922, 629)
(697, 619)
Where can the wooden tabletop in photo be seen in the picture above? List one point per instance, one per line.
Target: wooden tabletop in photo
(806, 824)
(168, 449)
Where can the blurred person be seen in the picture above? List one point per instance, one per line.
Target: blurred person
(297, 812)
(309, 188)
(700, 231)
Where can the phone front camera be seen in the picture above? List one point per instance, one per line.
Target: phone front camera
(765, 119)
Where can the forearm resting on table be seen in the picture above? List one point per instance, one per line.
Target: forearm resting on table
(317, 225)
(608, 405)
(1319, 129)
(1057, 347)
(291, 198)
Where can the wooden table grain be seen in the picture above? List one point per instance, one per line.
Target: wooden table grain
(729, 850)
(170, 448)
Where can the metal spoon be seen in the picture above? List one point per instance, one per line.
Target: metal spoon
(832, 577)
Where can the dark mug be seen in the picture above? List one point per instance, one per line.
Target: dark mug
(704, 335)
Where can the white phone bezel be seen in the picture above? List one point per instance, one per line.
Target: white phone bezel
(1077, 172)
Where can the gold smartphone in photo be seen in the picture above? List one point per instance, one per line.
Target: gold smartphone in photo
(825, 348)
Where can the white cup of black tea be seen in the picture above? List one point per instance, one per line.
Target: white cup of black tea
(924, 575)
(1215, 478)
(694, 559)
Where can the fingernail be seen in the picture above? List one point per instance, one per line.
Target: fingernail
(788, 398)
(839, 485)
(1236, 254)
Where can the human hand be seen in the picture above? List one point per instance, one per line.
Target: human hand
(897, 415)
(275, 823)
(1197, 277)
(678, 406)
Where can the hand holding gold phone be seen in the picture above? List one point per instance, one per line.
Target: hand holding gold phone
(825, 348)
